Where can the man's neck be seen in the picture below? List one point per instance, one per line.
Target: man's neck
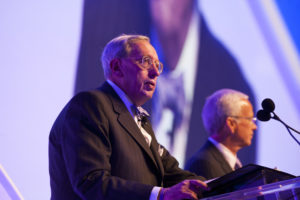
(226, 142)
(118, 86)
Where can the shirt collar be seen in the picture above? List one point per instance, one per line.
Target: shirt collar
(228, 155)
(123, 96)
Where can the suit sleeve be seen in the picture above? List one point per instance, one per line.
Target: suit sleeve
(172, 173)
(86, 150)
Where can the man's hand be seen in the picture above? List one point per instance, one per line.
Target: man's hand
(187, 189)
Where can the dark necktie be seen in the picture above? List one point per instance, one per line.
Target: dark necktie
(142, 115)
(237, 165)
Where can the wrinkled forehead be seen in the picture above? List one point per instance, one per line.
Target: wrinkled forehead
(142, 48)
(246, 107)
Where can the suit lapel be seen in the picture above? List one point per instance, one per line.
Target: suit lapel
(220, 158)
(154, 145)
(126, 120)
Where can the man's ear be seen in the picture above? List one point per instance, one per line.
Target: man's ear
(231, 124)
(115, 67)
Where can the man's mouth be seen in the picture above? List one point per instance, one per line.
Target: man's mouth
(150, 84)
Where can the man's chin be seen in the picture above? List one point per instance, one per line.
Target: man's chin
(148, 94)
(248, 144)
(146, 97)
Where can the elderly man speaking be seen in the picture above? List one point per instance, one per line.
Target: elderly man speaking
(102, 145)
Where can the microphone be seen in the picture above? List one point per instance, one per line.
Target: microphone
(268, 105)
(267, 113)
(144, 120)
(268, 108)
(263, 115)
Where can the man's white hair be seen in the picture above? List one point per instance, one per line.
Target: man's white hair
(118, 47)
(220, 105)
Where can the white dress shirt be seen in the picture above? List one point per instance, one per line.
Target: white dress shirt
(228, 155)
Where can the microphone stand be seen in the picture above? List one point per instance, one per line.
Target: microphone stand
(286, 126)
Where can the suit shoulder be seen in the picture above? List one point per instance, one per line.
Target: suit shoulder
(84, 102)
(91, 94)
(202, 157)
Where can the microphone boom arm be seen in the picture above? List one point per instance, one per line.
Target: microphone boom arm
(287, 126)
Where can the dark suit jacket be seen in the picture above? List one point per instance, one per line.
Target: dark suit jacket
(208, 162)
(96, 151)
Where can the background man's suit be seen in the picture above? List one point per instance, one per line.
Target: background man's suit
(97, 151)
(208, 162)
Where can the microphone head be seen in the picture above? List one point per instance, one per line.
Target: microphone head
(268, 105)
(263, 115)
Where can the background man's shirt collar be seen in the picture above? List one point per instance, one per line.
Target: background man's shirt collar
(228, 155)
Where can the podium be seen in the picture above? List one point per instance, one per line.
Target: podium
(254, 182)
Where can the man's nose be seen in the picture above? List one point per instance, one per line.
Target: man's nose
(254, 126)
(153, 71)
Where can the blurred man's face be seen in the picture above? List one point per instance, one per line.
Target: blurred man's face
(137, 82)
(245, 125)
